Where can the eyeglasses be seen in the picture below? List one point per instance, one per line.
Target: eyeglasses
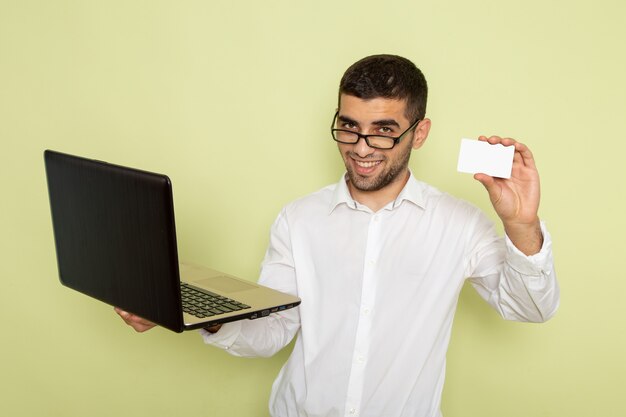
(373, 141)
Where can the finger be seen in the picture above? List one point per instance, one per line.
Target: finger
(519, 147)
(125, 315)
(142, 327)
(525, 156)
(522, 155)
(214, 329)
(138, 323)
(497, 139)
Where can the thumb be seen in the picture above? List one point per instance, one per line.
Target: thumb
(490, 185)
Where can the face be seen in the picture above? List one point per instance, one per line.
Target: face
(371, 169)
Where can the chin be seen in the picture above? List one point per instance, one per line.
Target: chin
(366, 184)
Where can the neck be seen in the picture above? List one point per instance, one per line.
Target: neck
(375, 200)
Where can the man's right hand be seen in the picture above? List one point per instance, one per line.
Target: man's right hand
(139, 324)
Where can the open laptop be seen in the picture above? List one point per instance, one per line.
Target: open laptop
(115, 241)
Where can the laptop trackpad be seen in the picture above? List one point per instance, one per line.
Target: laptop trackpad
(225, 284)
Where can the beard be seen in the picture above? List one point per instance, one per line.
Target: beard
(391, 173)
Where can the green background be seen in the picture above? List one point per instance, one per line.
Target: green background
(233, 100)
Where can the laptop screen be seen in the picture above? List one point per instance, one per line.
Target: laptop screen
(115, 235)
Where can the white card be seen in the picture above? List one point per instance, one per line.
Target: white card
(478, 156)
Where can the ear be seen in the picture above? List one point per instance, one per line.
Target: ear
(421, 133)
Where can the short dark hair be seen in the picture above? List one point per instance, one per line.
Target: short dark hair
(387, 76)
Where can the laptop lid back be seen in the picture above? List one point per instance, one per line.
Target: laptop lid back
(115, 236)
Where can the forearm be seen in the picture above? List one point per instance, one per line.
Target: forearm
(255, 338)
(528, 238)
(523, 288)
(265, 336)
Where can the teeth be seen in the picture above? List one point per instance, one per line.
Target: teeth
(367, 164)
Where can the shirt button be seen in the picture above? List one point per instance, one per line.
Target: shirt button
(353, 411)
(366, 311)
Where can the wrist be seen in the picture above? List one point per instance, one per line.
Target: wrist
(527, 237)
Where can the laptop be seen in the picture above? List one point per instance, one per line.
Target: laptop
(115, 241)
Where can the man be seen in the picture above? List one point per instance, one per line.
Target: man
(379, 260)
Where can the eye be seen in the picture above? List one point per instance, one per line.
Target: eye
(348, 125)
(385, 130)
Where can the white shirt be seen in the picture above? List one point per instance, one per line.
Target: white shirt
(379, 292)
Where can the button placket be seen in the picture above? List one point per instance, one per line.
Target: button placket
(363, 331)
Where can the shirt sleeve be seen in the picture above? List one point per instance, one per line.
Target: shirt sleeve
(265, 336)
(519, 287)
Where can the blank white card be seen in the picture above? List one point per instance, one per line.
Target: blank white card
(477, 156)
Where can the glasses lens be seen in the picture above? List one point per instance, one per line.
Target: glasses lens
(381, 142)
(345, 137)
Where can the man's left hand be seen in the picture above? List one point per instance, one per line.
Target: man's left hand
(516, 200)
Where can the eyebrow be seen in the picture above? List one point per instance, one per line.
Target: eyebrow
(386, 122)
(347, 120)
(383, 122)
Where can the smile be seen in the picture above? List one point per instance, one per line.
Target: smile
(367, 164)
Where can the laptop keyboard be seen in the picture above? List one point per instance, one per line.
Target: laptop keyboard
(206, 304)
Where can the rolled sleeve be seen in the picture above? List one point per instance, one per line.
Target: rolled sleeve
(224, 338)
(522, 288)
(534, 265)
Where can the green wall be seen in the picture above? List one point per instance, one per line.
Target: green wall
(233, 100)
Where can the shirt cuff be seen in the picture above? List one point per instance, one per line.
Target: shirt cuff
(225, 337)
(537, 264)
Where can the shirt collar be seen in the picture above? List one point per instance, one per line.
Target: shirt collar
(412, 192)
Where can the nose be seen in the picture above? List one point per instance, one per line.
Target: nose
(361, 148)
